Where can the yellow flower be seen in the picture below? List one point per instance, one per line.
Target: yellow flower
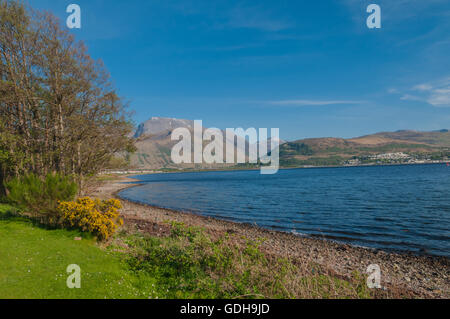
(96, 216)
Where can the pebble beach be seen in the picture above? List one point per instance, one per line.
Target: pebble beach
(420, 276)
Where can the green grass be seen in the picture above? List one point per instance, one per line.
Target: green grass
(190, 264)
(33, 263)
(187, 264)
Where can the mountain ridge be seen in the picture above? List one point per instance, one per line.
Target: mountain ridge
(154, 144)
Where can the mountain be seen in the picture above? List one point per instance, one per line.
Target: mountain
(156, 125)
(398, 147)
(154, 146)
(439, 138)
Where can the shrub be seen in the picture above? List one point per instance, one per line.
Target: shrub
(41, 195)
(100, 218)
(191, 264)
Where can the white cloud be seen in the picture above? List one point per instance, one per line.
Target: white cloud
(256, 18)
(435, 93)
(409, 97)
(440, 97)
(393, 91)
(423, 87)
(312, 102)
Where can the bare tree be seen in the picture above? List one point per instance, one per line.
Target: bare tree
(58, 109)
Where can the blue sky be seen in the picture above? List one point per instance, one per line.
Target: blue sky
(310, 68)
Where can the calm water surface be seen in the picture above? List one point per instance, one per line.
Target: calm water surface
(388, 207)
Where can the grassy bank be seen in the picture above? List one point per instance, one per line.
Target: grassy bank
(185, 264)
(33, 263)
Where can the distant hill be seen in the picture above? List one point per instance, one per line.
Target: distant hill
(154, 145)
(335, 151)
(439, 138)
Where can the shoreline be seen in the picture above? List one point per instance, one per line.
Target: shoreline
(423, 276)
(136, 172)
(324, 238)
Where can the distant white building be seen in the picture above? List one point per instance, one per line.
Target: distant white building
(391, 156)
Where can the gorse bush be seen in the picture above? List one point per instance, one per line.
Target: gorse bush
(95, 216)
(41, 196)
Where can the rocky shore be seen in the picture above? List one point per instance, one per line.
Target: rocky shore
(418, 276)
